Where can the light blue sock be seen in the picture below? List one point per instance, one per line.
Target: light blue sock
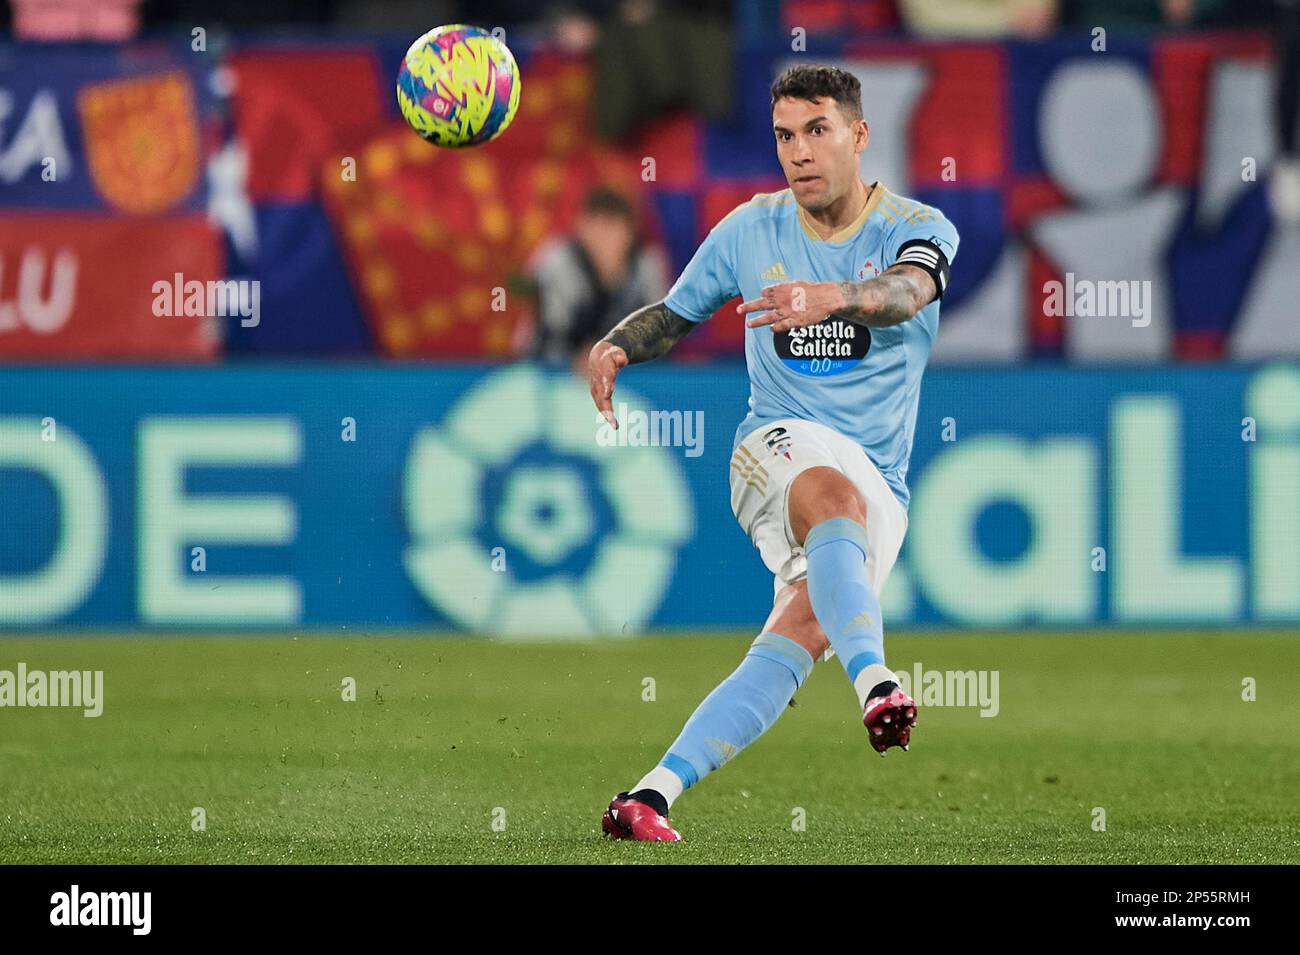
(740, 709)
(842, 597)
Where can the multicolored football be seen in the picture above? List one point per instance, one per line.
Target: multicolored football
(458, 86)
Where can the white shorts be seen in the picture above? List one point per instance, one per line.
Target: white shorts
(763, 467)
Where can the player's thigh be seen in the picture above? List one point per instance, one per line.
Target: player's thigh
(820, 494)
(763, 467)
(792, 617)
(852, 487)
(835, 478)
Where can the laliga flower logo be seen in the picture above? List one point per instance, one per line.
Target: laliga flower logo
(590, 532)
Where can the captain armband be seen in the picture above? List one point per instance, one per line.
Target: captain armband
(927, 257)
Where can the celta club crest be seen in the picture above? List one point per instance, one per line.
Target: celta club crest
(868, 270)
(778, 441)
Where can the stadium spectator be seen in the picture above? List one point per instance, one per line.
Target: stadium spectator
(63, 20)
(979, 18)
(657, 56)
(1144, 14)
(587, 283)
(1285, 184)
(238, 12)
(840, 16)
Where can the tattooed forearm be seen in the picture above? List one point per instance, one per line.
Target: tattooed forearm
(888, 299)
(649, 332)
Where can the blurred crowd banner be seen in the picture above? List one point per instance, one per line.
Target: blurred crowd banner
(491, 500)
(103, 191)
(284, 161)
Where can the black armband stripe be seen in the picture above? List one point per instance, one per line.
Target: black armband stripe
(929, 258)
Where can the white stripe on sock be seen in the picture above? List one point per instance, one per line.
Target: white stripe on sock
(662, 779)
(870, 676)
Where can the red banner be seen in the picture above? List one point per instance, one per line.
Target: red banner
(438, 240)
(289, 128)
(74, 287)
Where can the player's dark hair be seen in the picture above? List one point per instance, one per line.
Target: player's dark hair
(816, 82)
(608, 201)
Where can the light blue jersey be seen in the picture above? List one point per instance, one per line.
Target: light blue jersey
(863, 383)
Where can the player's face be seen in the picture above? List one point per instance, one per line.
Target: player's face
(818, 147)
(607, 240)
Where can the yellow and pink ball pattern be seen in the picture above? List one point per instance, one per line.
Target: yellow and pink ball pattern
(458, 86)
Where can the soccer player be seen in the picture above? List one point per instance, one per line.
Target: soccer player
(841, 281)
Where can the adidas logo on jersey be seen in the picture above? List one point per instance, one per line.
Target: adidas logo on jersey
(776, 272)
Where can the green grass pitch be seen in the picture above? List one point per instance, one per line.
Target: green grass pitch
(448, 734)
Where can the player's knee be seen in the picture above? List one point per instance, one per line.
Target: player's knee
(847, 503)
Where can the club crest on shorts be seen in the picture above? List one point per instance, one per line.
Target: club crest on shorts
(778, 441)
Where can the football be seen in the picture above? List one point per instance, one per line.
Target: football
(458, 86)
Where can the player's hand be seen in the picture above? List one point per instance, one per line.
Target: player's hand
(793, 305)
(603, 365)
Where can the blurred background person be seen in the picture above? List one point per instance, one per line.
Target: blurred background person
(694, 39)
(1144, 14)
(586, 283)
(1285, 185)
(979, 18)
(67, 20)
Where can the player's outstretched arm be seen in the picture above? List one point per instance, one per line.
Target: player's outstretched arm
(647, 333)
(889, 299)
